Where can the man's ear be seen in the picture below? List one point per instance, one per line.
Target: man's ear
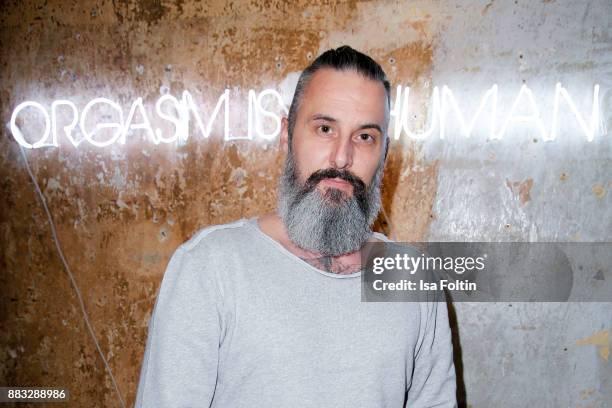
(284, 134)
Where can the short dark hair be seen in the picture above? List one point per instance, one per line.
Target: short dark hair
(342, 59)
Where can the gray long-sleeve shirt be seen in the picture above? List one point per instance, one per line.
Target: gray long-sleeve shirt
(240, 321)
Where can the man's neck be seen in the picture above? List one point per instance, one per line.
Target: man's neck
(272, 225)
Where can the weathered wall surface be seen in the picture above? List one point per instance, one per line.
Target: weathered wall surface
(121, 210)
(521, 189)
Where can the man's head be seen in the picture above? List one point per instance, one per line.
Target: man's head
(336, 142)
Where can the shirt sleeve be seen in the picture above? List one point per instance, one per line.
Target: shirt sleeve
(433, 379)
(179, 368)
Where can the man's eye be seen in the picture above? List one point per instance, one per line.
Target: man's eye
(366, 137)
(325, 128)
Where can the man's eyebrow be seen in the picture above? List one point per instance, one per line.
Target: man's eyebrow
(319, 116)
(371, 126)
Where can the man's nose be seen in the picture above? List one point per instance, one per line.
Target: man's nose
(342, 154)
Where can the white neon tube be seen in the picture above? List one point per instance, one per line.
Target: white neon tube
(18, 136)
(256, 108)
(189, 105)
(448, 100)
(102, 126)
(144, 125)
(534, 117)
(177, 120)
(401, 113)
(67, 129)
(594, 123)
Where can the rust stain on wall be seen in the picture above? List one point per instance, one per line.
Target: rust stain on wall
(522, 189)
(410, 182)
(409, 191)
(601, 340)
(599, 190)
(120, 212)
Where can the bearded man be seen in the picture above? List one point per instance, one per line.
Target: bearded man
(267, 311)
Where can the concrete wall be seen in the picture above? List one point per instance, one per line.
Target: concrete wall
(120, 211)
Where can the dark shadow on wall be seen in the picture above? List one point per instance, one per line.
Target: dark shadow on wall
(457, 356)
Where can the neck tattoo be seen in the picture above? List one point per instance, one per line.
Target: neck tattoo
(332, 265)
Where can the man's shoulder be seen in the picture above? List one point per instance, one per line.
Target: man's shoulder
(220, 237)
(206, 255)
(381, 237)
(393, 246)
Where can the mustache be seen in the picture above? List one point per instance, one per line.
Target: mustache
(359, 186)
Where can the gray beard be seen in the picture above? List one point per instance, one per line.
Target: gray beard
(330, 223)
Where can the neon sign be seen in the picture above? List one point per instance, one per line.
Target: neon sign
(179, 113)
(444, 103)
